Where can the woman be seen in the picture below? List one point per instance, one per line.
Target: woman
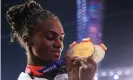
(41, 34)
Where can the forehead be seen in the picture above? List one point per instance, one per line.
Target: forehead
(51, 25)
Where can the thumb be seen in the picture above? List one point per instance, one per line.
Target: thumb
(69, 56)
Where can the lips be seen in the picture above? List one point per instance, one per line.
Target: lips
(57, 52)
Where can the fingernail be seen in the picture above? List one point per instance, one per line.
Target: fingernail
(73, 44)
(103, 46)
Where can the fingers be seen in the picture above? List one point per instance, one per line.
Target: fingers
(83, 66)
(70, 63)
(80, 61)
(85, 62)
(73, 44)
(70, 49)
(74, 63)
(71, 60)
(69, 56)
(88, 69)
(103, 46)
(77, 61)
(91, 63)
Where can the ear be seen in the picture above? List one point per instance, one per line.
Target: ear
(27, 40)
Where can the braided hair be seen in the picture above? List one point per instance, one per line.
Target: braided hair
(25, 17)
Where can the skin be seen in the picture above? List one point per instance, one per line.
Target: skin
(80, 68)
(46, 44)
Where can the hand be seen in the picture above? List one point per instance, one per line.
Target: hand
(79, 68)
(88, 69)
(72, 70)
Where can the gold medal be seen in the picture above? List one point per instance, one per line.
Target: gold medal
(83, 49)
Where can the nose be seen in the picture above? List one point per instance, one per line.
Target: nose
(58, 44)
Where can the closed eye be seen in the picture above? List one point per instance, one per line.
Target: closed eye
(51, 35)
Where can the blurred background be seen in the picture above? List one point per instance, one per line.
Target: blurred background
(116, 31)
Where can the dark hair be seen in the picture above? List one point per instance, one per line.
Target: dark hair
(25, 17)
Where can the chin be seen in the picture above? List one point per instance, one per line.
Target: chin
(56, 58)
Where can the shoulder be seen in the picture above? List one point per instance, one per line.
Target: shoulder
(24, 76)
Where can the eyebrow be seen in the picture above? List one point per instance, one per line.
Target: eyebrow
(56, 33)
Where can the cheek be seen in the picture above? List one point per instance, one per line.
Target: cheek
(44, 47)
(62, 46)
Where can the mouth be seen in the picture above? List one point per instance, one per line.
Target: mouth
(57, 53)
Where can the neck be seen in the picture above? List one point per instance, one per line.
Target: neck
(36, 61)
(33, 60)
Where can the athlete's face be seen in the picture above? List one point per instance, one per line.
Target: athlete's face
(47, 43)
